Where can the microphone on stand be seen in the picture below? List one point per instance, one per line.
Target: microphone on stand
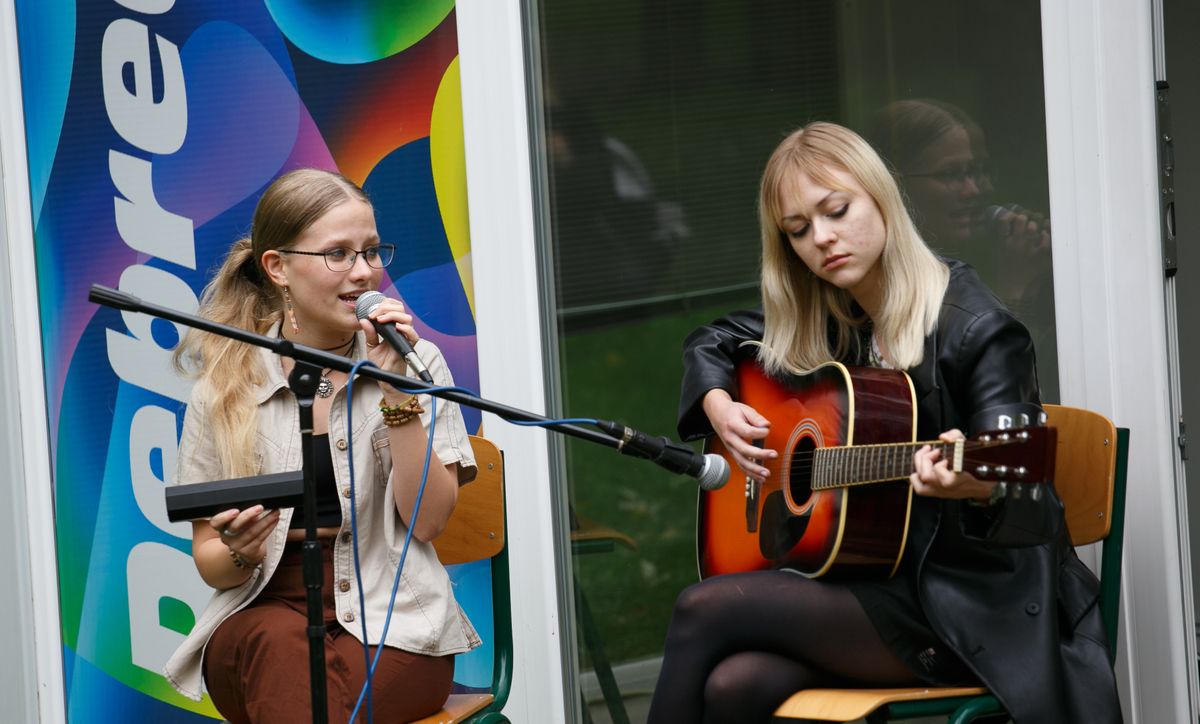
(363, 308)
(712, 471)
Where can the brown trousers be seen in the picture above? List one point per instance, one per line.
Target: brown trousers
(256, 664)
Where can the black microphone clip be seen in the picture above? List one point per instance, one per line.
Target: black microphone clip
(712, 471)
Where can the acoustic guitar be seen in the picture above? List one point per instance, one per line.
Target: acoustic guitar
(837, 500)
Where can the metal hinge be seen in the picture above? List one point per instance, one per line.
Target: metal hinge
(1166, 178)
(1182, 440)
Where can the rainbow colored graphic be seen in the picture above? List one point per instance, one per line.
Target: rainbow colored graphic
(366, 87)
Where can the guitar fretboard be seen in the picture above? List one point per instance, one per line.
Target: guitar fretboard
(842, 467)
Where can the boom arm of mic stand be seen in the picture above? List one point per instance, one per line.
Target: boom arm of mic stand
(117, 299)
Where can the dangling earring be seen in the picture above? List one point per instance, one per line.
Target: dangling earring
(287, 302)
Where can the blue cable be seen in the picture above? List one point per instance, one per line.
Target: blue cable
(561, 421)
(362, 604)
(387, 622)
(366, 691)
(370, 665)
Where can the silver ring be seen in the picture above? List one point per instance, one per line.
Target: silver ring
(230, 533)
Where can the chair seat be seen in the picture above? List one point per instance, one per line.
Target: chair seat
(591, 532)
(853, 704)
(457, 708)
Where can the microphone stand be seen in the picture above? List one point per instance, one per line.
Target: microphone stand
(303, 380)
(324, 360)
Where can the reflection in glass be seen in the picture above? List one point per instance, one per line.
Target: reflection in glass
(941, 160)
(659, 117)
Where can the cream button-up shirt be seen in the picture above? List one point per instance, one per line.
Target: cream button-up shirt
(425, 619)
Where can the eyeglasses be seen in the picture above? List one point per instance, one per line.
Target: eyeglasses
(957, 178)
(340, 260)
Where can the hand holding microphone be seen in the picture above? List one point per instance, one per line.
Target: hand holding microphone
(364, 307)
(1021, 230)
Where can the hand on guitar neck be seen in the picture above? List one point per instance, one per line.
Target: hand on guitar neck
(934, 478)
(742, 428)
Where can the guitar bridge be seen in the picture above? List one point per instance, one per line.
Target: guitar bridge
(753, 488)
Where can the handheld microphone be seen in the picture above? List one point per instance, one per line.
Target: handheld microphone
(363, 308)
(993, 218)
(712, 471)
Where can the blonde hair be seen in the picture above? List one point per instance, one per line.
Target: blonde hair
(242, 295)
(797, 305)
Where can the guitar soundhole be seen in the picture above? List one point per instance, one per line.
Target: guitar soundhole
(801, 469)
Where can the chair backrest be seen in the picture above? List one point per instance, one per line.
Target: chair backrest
(1084, 470)
(475, 531)
(1091, 462)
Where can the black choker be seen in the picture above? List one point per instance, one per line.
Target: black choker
(325, 385)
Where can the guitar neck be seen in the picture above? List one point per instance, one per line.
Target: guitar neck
(850, 465)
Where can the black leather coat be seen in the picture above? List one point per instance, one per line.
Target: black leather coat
(1001, 585)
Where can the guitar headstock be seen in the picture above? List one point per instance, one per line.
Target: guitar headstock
(1013, 455)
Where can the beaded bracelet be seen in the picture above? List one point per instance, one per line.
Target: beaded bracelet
(237, 559)
(397, 415)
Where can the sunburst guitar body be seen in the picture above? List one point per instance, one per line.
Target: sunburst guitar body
(837, 501)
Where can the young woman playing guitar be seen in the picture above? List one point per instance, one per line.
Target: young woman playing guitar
(988, 589)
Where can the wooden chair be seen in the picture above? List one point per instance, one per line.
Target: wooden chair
(476, 532)
(1089, 476)
(587, 537)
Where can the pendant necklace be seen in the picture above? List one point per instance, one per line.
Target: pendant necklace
(325, 385)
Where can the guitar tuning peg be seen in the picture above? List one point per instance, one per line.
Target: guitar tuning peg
(1004, 422)
(1043, 418)
(1016, 491)
(1023, 420)
(1036, 493)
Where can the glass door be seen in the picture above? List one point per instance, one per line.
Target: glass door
(658, 118)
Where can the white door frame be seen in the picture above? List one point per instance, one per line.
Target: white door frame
(513, 348)
(29, 562)
(1111, 307)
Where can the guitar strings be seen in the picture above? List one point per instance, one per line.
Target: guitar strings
(802, 463)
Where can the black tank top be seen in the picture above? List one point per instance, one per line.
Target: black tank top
(329, 509)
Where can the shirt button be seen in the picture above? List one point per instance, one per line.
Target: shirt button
(341, 444)
(346, 492)
(1032, 609)
(344, 586)
(348, 616)
(346, 537)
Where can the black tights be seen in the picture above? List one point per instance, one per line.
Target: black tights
(740, 644)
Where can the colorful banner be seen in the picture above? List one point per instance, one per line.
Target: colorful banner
(152, 127)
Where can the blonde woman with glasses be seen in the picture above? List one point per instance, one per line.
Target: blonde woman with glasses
(313, 249)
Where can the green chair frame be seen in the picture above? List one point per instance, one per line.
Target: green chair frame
(591, 537)
(962, 709)
(965, 709)
(478, 530)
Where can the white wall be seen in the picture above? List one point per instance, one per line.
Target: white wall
(1112, 313)
(32, 683)
(512, 364)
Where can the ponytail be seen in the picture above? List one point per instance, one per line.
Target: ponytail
(240, 296)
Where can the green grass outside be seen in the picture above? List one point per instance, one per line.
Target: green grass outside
(631, 373)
